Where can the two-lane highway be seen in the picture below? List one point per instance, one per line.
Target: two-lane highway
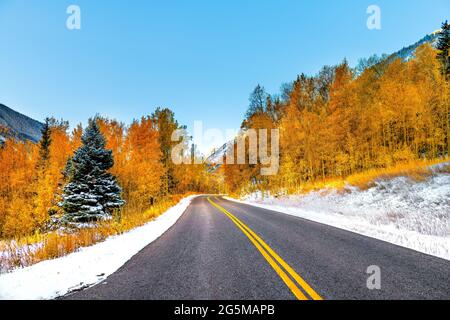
(229, 251)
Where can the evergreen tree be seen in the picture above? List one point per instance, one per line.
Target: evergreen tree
(44, 144)
(443, 47)
(92, 193)
(257, 101)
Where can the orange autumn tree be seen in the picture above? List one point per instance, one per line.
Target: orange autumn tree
(137, 159)
(338, 123)
(31, 179)
(51, 162)
(143, 160)
(32, 175)
(115, 134)
(143, 174)
(17, 167)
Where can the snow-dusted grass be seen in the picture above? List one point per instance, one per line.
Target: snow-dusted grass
(88, 266)
(14, 253)
(26, 251)
(406, 212)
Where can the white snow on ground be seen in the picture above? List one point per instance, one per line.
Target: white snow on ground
(411, 214)
(88, 266)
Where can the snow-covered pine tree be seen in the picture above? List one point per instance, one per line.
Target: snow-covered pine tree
(92, 193)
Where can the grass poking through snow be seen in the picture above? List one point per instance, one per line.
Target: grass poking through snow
(26, 251)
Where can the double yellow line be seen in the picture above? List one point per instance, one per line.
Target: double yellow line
(286, 273)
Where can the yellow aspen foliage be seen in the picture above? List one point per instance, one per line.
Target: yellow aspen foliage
(142, 176)
(336, 124)
(17, 166)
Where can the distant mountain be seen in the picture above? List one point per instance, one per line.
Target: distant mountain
(15, 124)
(407, 53)
(215, 159)
(217, 155)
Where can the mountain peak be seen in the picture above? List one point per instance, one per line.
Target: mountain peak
(19, 125)
(408, 52)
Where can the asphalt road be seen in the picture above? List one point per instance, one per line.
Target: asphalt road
(228, 251)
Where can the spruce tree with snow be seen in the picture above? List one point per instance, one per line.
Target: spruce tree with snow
(92, 193)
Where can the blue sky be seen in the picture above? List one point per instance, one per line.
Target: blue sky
(200, 58)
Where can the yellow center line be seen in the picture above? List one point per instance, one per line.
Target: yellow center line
(291, 285)
(286, 266)
(269, 254)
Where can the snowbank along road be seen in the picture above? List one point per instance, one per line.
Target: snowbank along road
(225, 250)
